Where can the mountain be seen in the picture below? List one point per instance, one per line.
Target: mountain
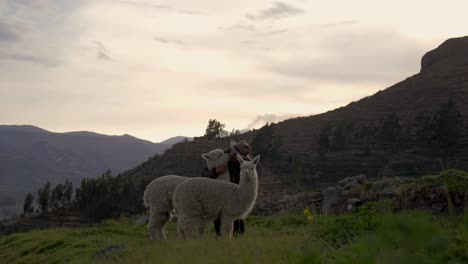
(174, 140)
(413, 128)
(30, 156)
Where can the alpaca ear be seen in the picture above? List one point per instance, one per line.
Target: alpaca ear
(240, 159)
(205, 156)
(256, 160)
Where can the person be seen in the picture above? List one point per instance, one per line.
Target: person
(243, 149)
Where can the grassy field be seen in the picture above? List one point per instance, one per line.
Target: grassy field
(365, 237)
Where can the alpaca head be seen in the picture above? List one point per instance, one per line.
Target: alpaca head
(215, 158)
(248, 168)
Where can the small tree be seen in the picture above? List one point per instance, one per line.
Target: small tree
(56, 199)
(341, 134)
(67, 192)
(215, 129)
(235, 133)
(447, 124)
(28, 204)
(43, 197)
(442, 129)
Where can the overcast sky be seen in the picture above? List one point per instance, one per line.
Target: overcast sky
(156, 69)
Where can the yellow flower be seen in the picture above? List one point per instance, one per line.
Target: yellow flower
(308, 215)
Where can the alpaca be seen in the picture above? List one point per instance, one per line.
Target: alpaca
(198, 201)
(158, 196)
(158, 199)
(216, 158)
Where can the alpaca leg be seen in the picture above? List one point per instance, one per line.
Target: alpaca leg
(156, 224)
(165, 217)
(226, 226)
(184, 227)
(217, 227)
(235, 229)
(202, 227)
(239, 227)
(196, 227)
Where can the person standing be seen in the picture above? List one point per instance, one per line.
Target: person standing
(242, 149)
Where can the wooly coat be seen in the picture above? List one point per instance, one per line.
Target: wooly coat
(158, 195)
(198, 201)
(158, 199)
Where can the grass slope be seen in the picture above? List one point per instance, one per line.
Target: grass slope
(367, 236)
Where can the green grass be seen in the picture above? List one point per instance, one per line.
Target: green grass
(366, 237)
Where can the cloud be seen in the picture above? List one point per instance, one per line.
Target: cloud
(35, 59)
(277, 11)
(33, 31)
(168, 41)
(7, 32)
(341, 23)
(12, 29)
(146, 4)
(261, 120)
(102, 52)
(353, 57)
(273, 32)
(250, 28)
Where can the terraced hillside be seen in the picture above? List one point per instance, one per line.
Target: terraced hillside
(412, 128)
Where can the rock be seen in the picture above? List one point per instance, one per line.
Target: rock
(142, 220)
(353, 201)
(345, 181)
(351, 184)
(108, 249)
(331, 196)
(453, 49)
(361, 179)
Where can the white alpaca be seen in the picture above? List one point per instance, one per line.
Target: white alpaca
(216, 158)
(158, 196)
(158, 199)
(198, 201)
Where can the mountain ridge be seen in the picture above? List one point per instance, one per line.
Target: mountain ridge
(304, 154)
(30, 156)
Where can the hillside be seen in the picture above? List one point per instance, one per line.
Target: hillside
(383, 134)
(30, 156)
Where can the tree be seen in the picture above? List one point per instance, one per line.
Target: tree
(43, 197)
(56, 197)
(267, 143)
(28, 203)
(235, 133)
(442, 129)
(215, 129)
(447, 124)
(341, 134)
(67, 192)
(100, 198)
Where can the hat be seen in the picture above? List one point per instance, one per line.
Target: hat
(241, 148)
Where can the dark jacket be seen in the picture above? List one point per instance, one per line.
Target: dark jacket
(233, 167)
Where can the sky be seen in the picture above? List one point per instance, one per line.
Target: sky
(156, 69)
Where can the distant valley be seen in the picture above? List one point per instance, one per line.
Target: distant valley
(30, 156)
